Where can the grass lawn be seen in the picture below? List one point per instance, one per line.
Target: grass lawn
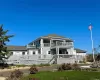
(71, 75)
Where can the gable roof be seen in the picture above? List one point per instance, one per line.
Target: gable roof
(53, 36)
(16, 48)
(80, 51)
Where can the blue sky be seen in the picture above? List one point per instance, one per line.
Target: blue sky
(29, 19)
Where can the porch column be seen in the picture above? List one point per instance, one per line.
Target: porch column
(58, 52)
(50, 42)
(41, 47)
(41, 42)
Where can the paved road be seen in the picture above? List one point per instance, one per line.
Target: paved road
(26, 71)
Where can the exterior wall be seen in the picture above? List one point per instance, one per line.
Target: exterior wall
(18, 53)
(70, 51)
(30, 52)
(81, 54)
(65, 60)
(30, 58)
(45, 54)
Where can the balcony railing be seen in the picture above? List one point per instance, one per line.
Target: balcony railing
(62, 44)
(46, 44)
(65, 56)
(31, 46)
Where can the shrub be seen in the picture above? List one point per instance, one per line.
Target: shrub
(15, 75)
(60, 68)
(33, 70)
(65, 67)
(68, 66)
(75, 67)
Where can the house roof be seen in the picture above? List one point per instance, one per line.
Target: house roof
(80, 51)
(16, 48)
(53, 36)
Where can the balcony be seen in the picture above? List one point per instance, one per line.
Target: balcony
(46, 44)
(62, 44)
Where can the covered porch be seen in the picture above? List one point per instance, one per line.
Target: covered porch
(61, 53)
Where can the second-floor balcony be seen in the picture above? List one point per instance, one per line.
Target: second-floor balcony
(58, 44)
(62, 44)
(53, 45)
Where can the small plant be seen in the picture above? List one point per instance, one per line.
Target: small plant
(75, 67)
(68, 66)
(15, 75)
(33, 70)
(65, 67)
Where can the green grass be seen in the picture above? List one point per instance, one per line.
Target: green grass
(71, 75)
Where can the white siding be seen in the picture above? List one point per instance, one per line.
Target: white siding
(18, 53)
(33, 50)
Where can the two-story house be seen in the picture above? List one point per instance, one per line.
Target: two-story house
(46, 49)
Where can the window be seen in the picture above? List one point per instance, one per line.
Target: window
(48, 52)
(33, 52)
(23, 53)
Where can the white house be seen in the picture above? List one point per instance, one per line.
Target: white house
(46, 49)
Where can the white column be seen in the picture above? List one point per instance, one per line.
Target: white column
(41, 42)
(41, 46)
(50, 42)
(58, 51)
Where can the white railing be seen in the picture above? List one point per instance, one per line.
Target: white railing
(62, 44)
(46, 44)
(65, 56)
(31, 46)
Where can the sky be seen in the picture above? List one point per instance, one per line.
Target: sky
(30, 19)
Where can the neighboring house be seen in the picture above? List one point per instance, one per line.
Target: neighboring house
(46, 49)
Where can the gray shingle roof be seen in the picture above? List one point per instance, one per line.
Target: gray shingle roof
(52, 35)
(16, 48)
(80, 51)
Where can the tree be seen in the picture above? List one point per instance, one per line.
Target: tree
(3, 39)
